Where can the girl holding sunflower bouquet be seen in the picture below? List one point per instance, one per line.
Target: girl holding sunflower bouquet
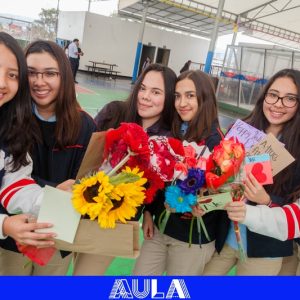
(149, 105)
(196, 120)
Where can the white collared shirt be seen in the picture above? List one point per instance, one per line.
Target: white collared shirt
(73, 50)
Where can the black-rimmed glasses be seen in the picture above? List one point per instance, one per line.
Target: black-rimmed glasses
(287, 101)
(45, 75)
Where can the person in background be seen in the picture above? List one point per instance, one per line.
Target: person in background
(186, 66)
(73, 57)
(111, 115)
(66, 49)
(146, 63)
(80, 53)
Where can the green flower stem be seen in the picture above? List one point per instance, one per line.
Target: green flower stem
(163, 220)
(27, 264)
(200, 224)
(120, 164)
(191, 231)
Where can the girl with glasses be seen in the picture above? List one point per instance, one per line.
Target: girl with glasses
(63, 133)
(276, 111)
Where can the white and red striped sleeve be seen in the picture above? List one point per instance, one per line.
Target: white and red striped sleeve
(19, 192)
(281, 223)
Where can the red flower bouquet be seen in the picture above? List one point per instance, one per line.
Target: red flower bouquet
(165, 153)
(128, 143)
(225, 163)
(188, 180)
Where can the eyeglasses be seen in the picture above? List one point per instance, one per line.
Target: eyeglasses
(47, 75)
(287, 101)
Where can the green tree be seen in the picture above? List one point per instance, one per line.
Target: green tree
(45, 26)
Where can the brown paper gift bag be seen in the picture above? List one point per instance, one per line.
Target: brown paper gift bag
(93, 157)
(123, 240)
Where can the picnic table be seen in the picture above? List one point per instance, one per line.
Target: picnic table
(104, 68)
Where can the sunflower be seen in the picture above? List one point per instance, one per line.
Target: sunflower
(90, 195)
(127, 197)
(124, 200)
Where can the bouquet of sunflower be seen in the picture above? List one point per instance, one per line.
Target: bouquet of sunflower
(110, 198)
(114, 193)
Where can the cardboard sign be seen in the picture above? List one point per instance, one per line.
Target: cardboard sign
(260, 167)
(93, 157)
(245, 133)
(57, 208)
(280, 158)
(123, 240)
(214, 202)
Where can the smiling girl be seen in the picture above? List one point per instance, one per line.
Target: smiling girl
(195, 120)
(17, 189)
(63, 132)
(151, 105)
(276, 111)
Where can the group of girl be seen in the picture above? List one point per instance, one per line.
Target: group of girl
(52, 128)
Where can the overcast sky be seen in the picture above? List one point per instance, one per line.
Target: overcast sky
(32, 8)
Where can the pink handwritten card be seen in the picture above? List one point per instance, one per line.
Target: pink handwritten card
(260, 166)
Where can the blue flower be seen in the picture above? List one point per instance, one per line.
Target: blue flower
(194, 181)
(179, 200)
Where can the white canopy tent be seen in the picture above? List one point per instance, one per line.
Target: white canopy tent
(276, 20)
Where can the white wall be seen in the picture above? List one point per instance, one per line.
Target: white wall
(71, 25)
(114, 40)
(110, 40)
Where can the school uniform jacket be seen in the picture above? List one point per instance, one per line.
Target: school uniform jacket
(18, 191)
(52, 165)
(281, 223)
(259, 245)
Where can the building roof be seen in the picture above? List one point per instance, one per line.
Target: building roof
(276, 20)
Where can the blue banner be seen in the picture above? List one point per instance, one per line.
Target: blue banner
(164, 287)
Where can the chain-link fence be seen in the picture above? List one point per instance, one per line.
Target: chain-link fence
(245, 70)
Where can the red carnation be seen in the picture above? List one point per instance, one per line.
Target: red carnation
(129, 139)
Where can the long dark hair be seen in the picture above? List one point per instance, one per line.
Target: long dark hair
(67, 109)
(169, 77)
(289, 135)
(200, 127)
(16, 122)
